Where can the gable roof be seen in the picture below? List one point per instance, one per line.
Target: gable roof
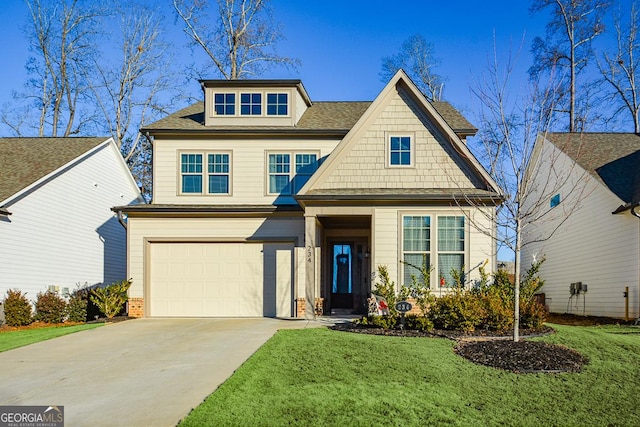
(613, 159)
(24, 161)
(311, 188)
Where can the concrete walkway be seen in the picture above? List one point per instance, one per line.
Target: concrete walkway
(144, 372)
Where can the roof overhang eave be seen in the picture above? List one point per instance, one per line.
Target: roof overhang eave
(337, 133)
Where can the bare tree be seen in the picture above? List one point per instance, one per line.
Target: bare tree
(135, 89)
(567, 46)
(239, 37)
(416, 58)
(512, 132)
(621, 69)
(62, 43)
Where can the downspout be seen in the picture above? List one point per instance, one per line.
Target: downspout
(637, 215)
(121, 220)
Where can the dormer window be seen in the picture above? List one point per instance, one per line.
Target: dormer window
(250, 104)
(225, 104)
(277, 104)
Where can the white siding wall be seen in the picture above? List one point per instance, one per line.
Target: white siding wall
(202, 229)
(387, 240)
(593, 247)
(64, 232)
(248, 177)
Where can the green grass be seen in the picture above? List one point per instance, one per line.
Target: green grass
(319, 377)
(15, 339)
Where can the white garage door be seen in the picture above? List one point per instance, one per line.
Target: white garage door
(220, 279)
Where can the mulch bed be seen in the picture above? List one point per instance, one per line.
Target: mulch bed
(498, 350)
(37, 325)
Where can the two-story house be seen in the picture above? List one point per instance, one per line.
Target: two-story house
(268, 204)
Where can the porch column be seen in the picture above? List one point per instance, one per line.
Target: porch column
(310, 235)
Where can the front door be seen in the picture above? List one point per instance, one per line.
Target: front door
(347, 263)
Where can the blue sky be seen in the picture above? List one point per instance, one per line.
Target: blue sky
(340, 43)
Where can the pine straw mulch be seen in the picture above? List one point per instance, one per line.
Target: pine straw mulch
(498, 350)
(37, 325)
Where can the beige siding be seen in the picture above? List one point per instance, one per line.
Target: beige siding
(142, 230)
(248, 168)
(365, 164)
(387, 240)
(593, 247)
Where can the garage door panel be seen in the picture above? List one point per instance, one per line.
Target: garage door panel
(213, 279)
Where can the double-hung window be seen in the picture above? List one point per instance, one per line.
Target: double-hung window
(250, 104)
(225, 104)
(288, 172)
(277, 104)
(198, 177)
(416, 247)
(450, 247)
(218, 173)
(279, 173)
(400, 151)
(191, 173)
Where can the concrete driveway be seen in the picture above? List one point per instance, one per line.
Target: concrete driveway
(144, 372)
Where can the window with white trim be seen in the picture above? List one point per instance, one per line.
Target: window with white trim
(451, 237)
(217, 173)
(400, 150)
(441, 247)
(277, 104)
(224, 104)
(250, 104)
(287, 178)
(416, 246)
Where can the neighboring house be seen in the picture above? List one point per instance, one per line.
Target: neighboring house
(598, 245)
(56, 225)
(268, 204)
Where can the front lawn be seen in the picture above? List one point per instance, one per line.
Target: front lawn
(19, 338)
(320, 377)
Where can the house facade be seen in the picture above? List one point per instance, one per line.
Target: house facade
(56, 224)
(268, 204)
(593, 252)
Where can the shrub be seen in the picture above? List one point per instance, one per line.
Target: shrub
(420, 289)
(50, 307)
(532, 314)
(458, 310)
(77, 305)
(418, 323)
(384, 322)
(386, 288)
(17, 309)
(499, 311)
(111, 299)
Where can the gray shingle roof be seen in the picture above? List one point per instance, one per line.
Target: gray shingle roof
(453, 117)
(334, 116)
(611, 158)
(24, 161)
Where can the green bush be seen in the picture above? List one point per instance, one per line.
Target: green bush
(77, 305)
(111, 299)
(50, 308)
(532, 314)
(499, 311)
(458, 310)
(17, 309)
(384, 322)
(417, 323)
(386, 288)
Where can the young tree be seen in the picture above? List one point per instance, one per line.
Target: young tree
(512, 131)
(567, 46)
(621, 68)
(416, 58)
(239, 37)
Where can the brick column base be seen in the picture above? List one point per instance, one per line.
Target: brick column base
(136, 307)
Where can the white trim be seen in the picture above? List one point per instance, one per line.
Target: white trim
(412, 149)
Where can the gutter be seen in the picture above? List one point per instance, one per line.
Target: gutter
(121, 218)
